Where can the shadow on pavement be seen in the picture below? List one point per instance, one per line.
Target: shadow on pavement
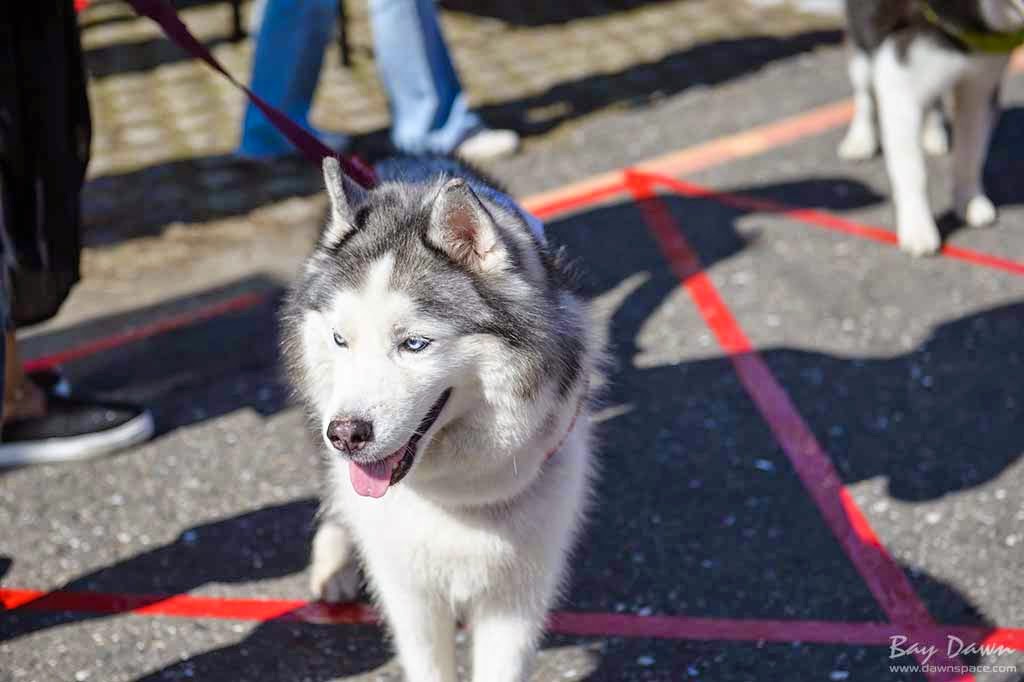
(540, 13)
(953, 394)
(200, 371)
(708, 515)
(188, 191)
(290, 652)
(147, 53)
(705, 64)
(144, 55)
(265, 543)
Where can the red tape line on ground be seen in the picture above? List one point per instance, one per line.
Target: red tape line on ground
(715, 152)
(812, 464)
(744, 144)
(185, 606)
(581, 624)
(232, 305)
(545, 209)
(825, 220)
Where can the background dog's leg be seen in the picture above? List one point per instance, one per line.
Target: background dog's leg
(905, 84)
(976, 111)
(861, 141)
(334, 570)
(423, 628)
(935, 137)
(504, 643)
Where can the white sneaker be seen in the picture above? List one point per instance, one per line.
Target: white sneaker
(488, 144)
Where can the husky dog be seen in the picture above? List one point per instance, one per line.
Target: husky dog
(446, 365)
(907, 54)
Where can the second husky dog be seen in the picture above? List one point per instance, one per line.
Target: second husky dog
(445, 364)
(906, 55)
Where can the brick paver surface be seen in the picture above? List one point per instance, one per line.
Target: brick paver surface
(164, 123)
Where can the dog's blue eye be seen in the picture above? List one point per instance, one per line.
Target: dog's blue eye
(415, 344)
(340, 341)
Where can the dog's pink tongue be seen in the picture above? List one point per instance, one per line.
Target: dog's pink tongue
(373, 479)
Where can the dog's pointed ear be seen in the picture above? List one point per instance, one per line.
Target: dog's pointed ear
(344, 195)
(462, 227)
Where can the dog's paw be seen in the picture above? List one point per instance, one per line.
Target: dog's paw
(333, 571)
(935, 137)
(859, 144)
(335, 586)
(922, 239)
(978, 211)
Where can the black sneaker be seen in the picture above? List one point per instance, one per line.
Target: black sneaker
(73, 429)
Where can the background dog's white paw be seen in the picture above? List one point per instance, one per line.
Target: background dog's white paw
(978, 212)
(921, 240)
(339, 585)
(935, 137)
(859, 144)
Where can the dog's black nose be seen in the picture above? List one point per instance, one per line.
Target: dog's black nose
(350, 435)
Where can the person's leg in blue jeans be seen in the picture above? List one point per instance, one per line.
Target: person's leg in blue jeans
(429, 111)
(288, 55)
(428, 108)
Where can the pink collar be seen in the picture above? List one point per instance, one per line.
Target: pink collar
(572, 425)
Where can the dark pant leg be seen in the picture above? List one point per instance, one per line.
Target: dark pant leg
(45, 134)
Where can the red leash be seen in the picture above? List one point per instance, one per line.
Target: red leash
(313, 149)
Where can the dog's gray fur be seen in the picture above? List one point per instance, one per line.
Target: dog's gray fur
(395, 217)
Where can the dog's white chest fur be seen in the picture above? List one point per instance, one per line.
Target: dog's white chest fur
(495, 568)
(458, 555)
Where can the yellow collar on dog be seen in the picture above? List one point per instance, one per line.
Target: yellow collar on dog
(982, 41)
